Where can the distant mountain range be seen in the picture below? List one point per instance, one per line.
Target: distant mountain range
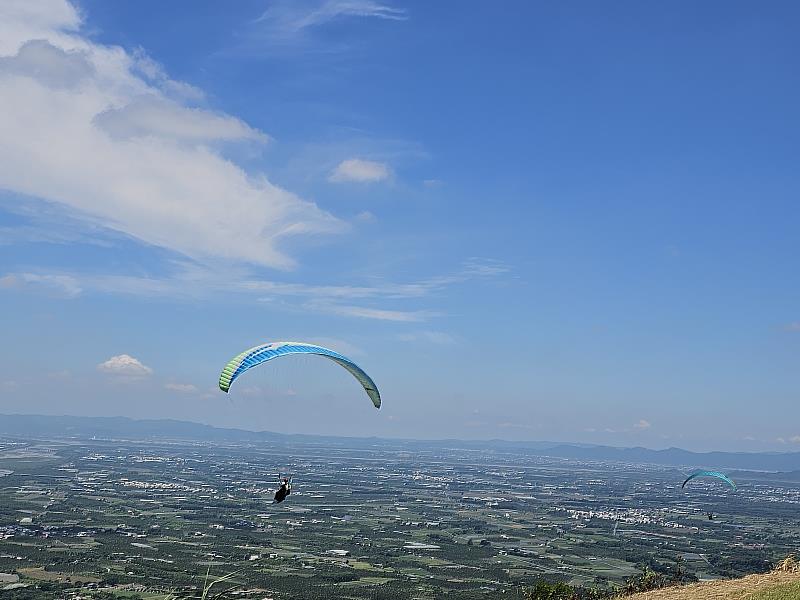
(40, 426)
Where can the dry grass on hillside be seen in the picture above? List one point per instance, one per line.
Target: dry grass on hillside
(781, 584)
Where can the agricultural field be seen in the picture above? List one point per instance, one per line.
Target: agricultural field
(153, 518)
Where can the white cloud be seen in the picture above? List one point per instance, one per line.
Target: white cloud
(154, 116)
(360, 171)
(106, 134)
(65, 285)
(193, 281)
(794, 326)
(51, 66)
(290, 18)
(366, 312)
(155, 73)
(124, 365)
(795, 439)
(183, 388)
(642, 424)
(24, 20)
(471, 270)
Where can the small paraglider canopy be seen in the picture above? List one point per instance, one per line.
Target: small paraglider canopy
(266, 352)
(716, 474)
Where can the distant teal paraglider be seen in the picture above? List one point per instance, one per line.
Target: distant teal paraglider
(702, 473)
(266, 352)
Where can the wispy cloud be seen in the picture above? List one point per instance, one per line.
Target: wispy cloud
(357, 170)
(295, 28)
(191, 281)
(28, 234)
(366, 312)
(288, 18)
(124, 365)
(63, 285)
(106, 134)
(793, 327)
(642, 424)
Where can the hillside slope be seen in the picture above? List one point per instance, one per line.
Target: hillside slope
(777, 585)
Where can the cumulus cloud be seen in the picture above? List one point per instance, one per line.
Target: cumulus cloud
(642, 424)
(183, 388)
(125, 365)
(159, 117)
(360, 171)
(43, 62)
(104, 133)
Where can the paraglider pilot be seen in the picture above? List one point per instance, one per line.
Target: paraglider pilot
(283, 491)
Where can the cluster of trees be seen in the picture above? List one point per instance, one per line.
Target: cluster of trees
(645, 581)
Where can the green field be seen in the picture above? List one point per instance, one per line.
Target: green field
(120, 518)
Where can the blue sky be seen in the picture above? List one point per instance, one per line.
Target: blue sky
(564, 221)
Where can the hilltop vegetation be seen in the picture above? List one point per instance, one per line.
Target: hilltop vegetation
(782, 583)
(769, 586)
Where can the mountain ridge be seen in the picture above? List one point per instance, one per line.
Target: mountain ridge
(121, 427)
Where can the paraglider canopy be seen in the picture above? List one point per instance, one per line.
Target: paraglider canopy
(266, 352)
(702, 473)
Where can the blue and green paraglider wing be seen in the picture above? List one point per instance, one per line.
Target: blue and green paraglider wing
(266, 352)
(717, 474)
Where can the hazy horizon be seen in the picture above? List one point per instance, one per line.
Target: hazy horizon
(558, 222)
